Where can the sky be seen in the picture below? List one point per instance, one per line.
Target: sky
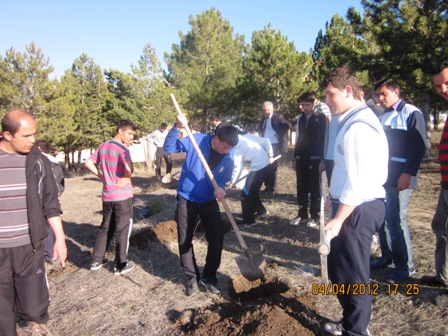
(114, 33)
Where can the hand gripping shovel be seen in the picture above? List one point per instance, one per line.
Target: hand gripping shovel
(251, 264)
(324, 244)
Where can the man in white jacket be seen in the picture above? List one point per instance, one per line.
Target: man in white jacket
(258, 152)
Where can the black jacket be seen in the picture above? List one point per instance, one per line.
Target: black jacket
(41, 195)
(281, 126)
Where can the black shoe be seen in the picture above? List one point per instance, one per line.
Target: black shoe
(432, 281)
(129, 267)
(380, 263)
(262, 214)
(97, 265)
(192, 289)
(211, 287)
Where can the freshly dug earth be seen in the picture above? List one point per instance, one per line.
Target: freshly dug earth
(151, 299)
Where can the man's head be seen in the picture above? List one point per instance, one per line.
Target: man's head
(268, 108)
(342, 89)
(388, 92)
(163, 127)
(125, 131)
(18, 132)
(306, 102)
(225, 139)
(215, 120)
(440, 78)
(44, 146)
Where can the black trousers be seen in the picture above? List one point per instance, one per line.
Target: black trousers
(271, 178)
(210, 215)
(308, 182)
(117, 222)
(250, 196)
(349, 262)
(23, 287)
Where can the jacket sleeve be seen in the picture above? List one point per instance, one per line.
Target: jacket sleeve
(50, 202)
(323, 128)
(417, 144)
(172, 142)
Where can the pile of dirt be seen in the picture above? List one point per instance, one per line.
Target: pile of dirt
(272, 308)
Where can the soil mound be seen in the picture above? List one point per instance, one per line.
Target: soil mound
(272, 308)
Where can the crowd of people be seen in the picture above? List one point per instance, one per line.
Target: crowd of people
(371, 163)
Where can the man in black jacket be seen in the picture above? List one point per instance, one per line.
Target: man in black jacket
(308, 162)
(28, 199)
(275, 127)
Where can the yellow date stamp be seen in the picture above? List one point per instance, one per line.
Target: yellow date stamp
(364, 289)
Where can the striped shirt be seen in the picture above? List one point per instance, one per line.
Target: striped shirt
(14, 226)
(111, 158)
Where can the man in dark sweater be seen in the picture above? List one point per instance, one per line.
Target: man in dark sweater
(439, 222)
(308, 161)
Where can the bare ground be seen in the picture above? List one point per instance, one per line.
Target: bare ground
(151, 301)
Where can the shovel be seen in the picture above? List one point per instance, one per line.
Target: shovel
(252, 264)
(324, 244)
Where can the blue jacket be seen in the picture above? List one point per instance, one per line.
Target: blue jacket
(406, 136)
(194, 184)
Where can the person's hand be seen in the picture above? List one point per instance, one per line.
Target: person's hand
(123, 182)
(60, 251)
(220, 194)
(231, 185)
(404, 182)
(335, 226)
(181, 120)
(445, 195)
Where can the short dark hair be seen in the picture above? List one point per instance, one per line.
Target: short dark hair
(44, 146)
(308, 97)
(389, 83)
(126, 124)
(11, 124)
(215, 118)
(439, 68)
(340, 77)
(228, 134)
(163, 125)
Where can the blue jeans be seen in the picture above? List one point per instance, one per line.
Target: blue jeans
(394, 234)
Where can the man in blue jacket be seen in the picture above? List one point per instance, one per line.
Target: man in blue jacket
(197, 197)
(404, 126)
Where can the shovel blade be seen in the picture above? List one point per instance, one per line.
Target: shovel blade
(252, 265)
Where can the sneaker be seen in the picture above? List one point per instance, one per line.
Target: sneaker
(311, 223)
(400, 275)
(192, 289)
(296, 221)
(334, 328)
(97, 265)
(432, 281)
(129, 267)
(262, 214)
(380, 263)
(209, 286)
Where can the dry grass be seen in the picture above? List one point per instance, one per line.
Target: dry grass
(150, 300)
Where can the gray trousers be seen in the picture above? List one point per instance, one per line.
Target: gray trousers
(439, 226)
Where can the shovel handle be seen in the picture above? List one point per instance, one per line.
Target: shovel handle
(212, 178)
(324, 246)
